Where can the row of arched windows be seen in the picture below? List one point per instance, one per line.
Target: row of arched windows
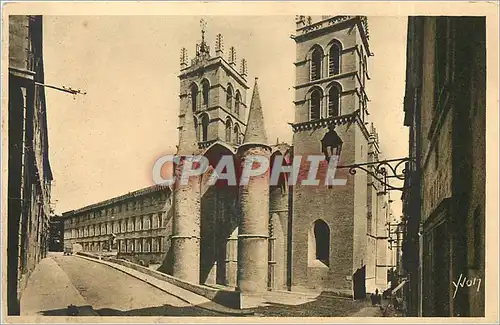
(318, 57)
(316, 102)
(230, 94)
(233, 133)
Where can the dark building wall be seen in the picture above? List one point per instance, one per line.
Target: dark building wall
(29, 173)
(445, 109)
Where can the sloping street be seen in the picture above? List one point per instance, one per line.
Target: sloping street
(96, 289)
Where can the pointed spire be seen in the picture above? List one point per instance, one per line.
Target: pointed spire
(188, 143)
(255, 132)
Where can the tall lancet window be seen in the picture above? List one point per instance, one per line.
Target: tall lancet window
(316, 59)
(229, 130)
(204, 127)
(237, 102)
(229, 98)
(194, 97)
(334, 101)
(315, 104)
(195, 122)
(237, 138)
(334, 59)
(205, 90)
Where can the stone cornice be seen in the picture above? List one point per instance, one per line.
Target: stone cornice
(324, 122)
(326, 80)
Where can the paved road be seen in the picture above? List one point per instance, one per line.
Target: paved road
(114, 293)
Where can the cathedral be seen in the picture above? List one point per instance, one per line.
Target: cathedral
(264, 236)
(283, 237)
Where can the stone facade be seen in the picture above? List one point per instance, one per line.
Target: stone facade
(331, 70)
(30, 175)
(444, 203)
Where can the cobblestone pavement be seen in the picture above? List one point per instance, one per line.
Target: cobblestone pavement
(322, 306)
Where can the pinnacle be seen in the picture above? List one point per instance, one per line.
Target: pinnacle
(188, 143)
(255, 132)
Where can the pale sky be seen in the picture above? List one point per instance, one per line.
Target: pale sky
(104, 144)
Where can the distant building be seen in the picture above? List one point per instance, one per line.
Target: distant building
(134, 225)
(56, 234)
(29, 174)
(444, 204)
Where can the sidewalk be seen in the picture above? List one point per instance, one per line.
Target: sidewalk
(49, 292)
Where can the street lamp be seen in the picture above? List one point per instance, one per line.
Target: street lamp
(330, 141)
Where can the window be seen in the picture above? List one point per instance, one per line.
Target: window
(334, 101)
(195, 122)
(237, 134)
(316, 59)
(138, 245)
(206, 88)
(204, 128)
(237, 102)
(322, 241)
(138, 223)
(315, 104)
(229, 98)
(229, 127)
(334, 59)
(194, 97)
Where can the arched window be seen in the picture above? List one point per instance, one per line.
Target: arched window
(237, 102)
(237, 134)
(316, 59)
(194, 97)
(334, 59)
(229, 98)
(322, 241)
(205, 89)
(315, 104)
(334, 101)
(204, 128)
(195, 122)
(229, 129)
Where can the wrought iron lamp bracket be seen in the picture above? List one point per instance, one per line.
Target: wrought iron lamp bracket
(383, 171)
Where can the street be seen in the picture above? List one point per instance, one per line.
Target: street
(97, 289)
(112, 293)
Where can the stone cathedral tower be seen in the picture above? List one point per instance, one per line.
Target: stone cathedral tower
(331, 223)
(217, 86)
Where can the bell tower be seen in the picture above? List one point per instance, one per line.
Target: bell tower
(217, 87)
(329, 229)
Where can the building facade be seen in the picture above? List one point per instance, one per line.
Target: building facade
(444, 202)
(265, 236)
(29, 172)
(330, 94)
(134, 226)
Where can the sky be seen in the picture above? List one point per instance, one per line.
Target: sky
(103, 144)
